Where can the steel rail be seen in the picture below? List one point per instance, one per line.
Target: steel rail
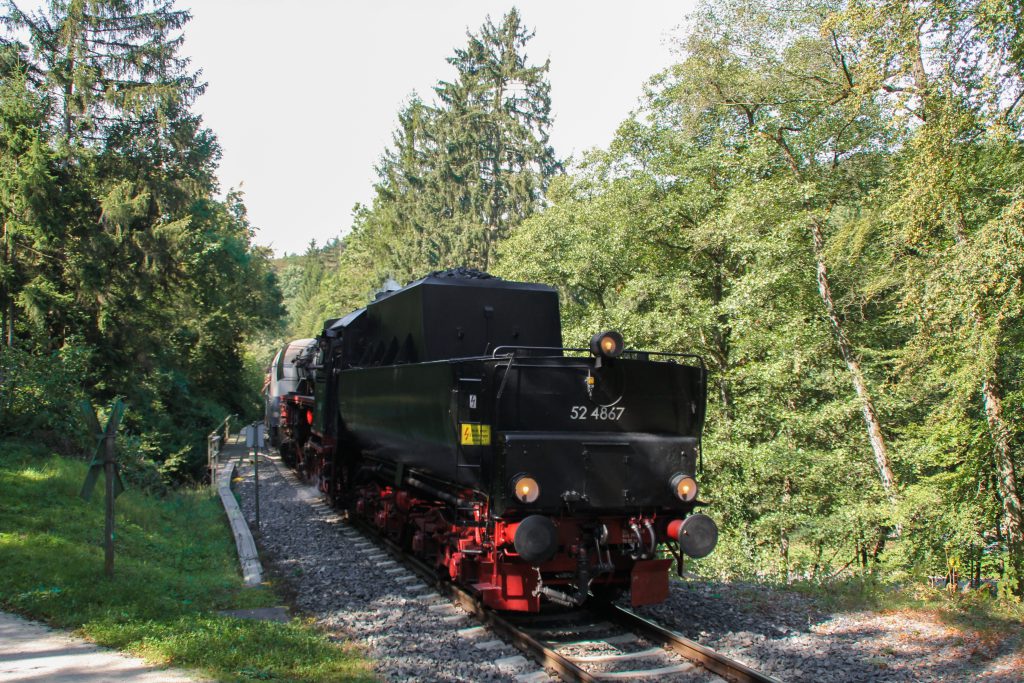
(526, 643)
(695, 652)
(567, 669)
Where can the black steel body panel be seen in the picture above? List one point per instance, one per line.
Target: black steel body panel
(637, 396)
(606, 471)
(601, 436)
(614, 447)
(440, 318)
(406, 379)
(403, 414)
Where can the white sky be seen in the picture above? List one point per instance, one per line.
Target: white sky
(304, 95)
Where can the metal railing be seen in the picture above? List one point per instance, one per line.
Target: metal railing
(214, 444)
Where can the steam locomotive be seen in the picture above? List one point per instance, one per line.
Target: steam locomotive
(448, 414)
(282, 379)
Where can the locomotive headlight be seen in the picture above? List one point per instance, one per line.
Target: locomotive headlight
(607, 344)
(685, 487)
(525, 488)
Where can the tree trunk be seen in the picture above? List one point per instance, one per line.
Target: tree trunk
(492, 232)
(69, 91)
(4, 287)
(976, 579)
(920, 74)
(878, 446)
(787, 494)
(721, 342)
(12, 261)
(874, 427)
(1009, 490)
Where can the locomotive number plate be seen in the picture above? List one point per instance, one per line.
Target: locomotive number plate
(475, 435)
(611, 414)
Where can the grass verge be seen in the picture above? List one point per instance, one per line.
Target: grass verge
(175, 568)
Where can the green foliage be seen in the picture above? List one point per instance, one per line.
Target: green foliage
(175, 569)
(41, 390)
(949, 219)
(113, 238)
(312, 290)
(826, 145)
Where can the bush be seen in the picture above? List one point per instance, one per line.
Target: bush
(138, 458)
(41, 391)
(161, 442)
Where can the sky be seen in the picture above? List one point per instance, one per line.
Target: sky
(304, 95)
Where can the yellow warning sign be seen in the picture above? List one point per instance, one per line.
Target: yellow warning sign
(476, 435)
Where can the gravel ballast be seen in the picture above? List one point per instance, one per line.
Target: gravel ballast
(354, 589)
(788, 636)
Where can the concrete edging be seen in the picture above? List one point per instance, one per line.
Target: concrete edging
(248, 557)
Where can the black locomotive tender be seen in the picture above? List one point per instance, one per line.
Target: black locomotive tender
(448, 414)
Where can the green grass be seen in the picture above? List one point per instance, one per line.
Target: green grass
(175, 567)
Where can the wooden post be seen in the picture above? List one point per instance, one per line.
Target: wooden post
(108, 528)
(104, 460)
(227, 428)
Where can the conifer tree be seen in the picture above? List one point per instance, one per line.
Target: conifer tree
(115, 242)
(107, 60)
(464, 171)
(492, 132)
(29, 213)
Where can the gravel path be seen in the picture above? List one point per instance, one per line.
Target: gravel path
(352, 588)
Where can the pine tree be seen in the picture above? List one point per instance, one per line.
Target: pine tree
(29, 205)
(408, 210)
(492, 134)
(463, 172)
(107, 60)
(115, 238)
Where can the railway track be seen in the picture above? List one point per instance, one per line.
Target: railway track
(600, 643)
